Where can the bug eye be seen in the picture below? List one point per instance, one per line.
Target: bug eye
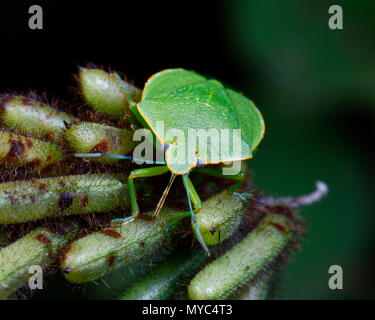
(200, 163)
(165, 147)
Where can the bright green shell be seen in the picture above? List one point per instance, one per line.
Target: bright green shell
(176, 102)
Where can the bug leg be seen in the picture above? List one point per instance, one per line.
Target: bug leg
(178, 216)
(172, 219)
(192, 193)
(138, 173)
(240, 177)
(116, 156)
(142, 173)
(192, 196)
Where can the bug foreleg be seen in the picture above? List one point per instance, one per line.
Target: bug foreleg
(142, 173)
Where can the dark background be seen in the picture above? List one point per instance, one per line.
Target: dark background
(314, 86)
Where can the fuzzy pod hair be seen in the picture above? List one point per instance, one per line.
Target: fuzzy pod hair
(20, 151)
(90, 137)
(31, 117)
(163, 282)
(39, 247)
(224, 276)
(103, 91)
(219, 217)
(100, 253)
(256, 290)
(22, 201)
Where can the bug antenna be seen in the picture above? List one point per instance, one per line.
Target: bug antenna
(164, 196)
(116, 156)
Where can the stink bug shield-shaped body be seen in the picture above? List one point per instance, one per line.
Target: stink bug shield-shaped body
(184, 101)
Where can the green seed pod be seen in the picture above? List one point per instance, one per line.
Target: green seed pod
(22, 201)
(103, 252)
(219, 217)
(163, 282)
(29, 116)
(89, 137)
(257, 290)
(241, 264)
(18, 151)
(103, 91)
(39, 247)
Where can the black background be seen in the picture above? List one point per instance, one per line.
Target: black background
(137, 38)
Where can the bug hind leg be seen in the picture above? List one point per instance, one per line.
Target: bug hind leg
(239, 177)
(192, 194)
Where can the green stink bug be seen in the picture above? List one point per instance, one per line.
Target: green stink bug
(185, 102)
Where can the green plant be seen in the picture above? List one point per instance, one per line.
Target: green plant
(43, 184)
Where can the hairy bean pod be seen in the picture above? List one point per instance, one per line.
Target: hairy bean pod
(105, 251)
(219, 217)
(17, 151)
(163, 282)
(39, 247)
(89, 137)
(257, 290)
(222, 277)
(29, 116)
(102, 91)
(22, 201)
